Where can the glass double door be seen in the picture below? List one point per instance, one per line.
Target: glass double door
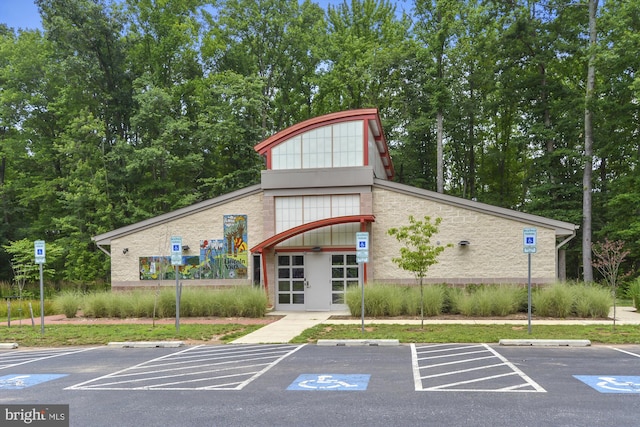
(315, 281)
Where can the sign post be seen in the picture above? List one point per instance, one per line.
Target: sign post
(40, 256)
(362, 256)
(176, 261)
(530, 240)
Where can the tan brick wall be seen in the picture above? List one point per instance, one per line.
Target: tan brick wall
(494, 254)
(155, 241)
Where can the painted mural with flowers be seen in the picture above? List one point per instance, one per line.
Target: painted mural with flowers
(220, 258)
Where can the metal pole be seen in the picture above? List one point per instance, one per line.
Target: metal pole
(529, 294)
(41, 301)
(177, 302)
(361, 279)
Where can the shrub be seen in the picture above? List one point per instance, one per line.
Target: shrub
(434, 297)
(96, 305)
(68, 303)
(591, 301)
(553, 301)
(633, 292)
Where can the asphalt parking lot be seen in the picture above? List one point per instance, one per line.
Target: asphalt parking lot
(282, 385)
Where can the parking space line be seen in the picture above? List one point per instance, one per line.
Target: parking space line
(475, 380)
(442, 374)
(625, 351)
(524, 376)
(22, 357)
(426, 375)
(223, 368)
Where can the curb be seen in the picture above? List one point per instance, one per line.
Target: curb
(146, 344)
(546, 343)
(8, 345)
(350, 343)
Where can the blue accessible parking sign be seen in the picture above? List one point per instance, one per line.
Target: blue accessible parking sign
(611, 383)
(326, 382)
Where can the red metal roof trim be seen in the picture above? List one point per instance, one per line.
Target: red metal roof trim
(365, 114)
(292, 232)
(342, 116)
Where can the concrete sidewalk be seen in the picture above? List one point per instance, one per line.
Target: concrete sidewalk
(294, 323)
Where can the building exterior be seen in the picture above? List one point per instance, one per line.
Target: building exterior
(294, 234)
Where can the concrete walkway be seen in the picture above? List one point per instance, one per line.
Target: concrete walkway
(294, 323)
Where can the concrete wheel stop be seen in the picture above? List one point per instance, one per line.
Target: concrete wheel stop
(545, 343)
(350, 343)
(146, 344)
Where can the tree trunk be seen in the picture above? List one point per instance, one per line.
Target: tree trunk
(588, 149)
(440, 153)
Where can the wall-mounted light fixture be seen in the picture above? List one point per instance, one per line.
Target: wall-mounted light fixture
(316, 249)
(464, 243)
(125, 250)
(185, 248)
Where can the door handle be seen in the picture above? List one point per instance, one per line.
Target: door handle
(306, 283)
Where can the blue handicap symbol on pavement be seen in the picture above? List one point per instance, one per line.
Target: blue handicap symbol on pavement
(337, 382)
(20, 381)
(611, 383)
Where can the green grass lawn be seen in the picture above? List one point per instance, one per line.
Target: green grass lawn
(597, 334)
(77, 335)
(67, 335)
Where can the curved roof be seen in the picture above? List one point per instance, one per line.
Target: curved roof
(292, 232)
(369, 114)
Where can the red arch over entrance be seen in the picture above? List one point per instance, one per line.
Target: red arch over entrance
(287, 234)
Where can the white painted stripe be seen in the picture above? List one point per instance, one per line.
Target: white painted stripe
(452, 355)
(518, 371)
(183, 374)
(243, 385)
(475, 380)
(417, 382)
(477, 368)
(456, 362)
(50, 356)
(439, 350)
(77, 386)
(625, 351)
(169, 368)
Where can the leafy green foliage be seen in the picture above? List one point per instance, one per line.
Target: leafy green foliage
(118, 111)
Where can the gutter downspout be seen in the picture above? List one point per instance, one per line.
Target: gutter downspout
(561, 244)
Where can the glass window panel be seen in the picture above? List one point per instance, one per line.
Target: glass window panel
(284, 299)
(337, 259)
(284, 286)
(337, 273)
(352, 272)
(337, 298)
(283, 273)
(297, 273)
(298, 298)
(337, 286)
(283, 260)
(352, 283)
(298, 260)
(351, 259)
(298, 286)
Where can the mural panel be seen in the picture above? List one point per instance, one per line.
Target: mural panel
(226, 258)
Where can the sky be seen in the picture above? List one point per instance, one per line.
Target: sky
(19, 14)
(24, 13)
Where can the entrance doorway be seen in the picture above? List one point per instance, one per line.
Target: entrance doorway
(315, 281)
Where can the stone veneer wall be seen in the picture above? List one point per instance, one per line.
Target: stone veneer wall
(495, 253)
(155, 241)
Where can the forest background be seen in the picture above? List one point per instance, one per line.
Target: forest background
(118, 111)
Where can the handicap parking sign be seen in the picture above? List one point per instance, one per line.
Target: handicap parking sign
(611, 383)
(328, 382)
